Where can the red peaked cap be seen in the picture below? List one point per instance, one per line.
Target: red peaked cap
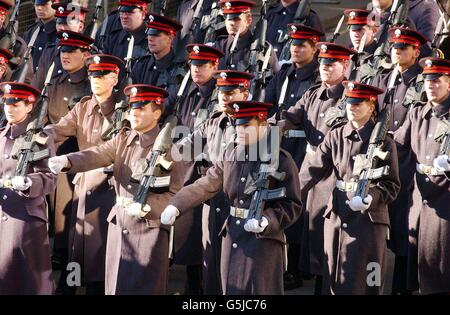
(141, 94)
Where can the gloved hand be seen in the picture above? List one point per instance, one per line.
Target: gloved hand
(357, 204)
(57, 163)
(169, 215)
(441, 163)
(136, 209)
(255, 226)
(21, 183)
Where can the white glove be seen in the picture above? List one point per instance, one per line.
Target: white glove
(357, 204)
(21, 183)
(57, 163)
(255, 226)
(136, 209)
(1, 183)
(441, 163)
(169, 215)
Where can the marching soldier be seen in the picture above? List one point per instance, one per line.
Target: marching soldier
(252, 251)
(219, 133)
(282, 13)
(66, 89)
(20, 45)
(316, 113)
(132, 15)
(25, 266)
(138, 244)
(238, 20)
(408, 86)
(301, 74)
(199, 101)
(46, 24)
(89, 121)
(361, 24)
(426, 133)
(425, 15)
(157, 67)
(356, 226)
(69, 17)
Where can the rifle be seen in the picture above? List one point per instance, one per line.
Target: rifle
(8, 41)
(366, 165)
(26, 149)
(267, 172)
(397, 16)
(300, 17)
(211, 23)
(148, 171)
(440, 33)
(260, 52)
(23, 69)
(95, 23)
(337, 30)
(122, 106)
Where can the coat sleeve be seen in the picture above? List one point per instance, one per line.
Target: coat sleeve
(317, 166)
(66, 127)
(293, 118)
(201, 190)
(283, 213)
(95, 157)
(43, 180)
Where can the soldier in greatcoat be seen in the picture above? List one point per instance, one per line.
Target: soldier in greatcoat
(301, 73)
(356, 226)
(252, 259)
(137, 251)
(315, 114)
(217, 134)
(425, 131)
(25, 264)
(90, 121)
(198, 104)
(407, 90)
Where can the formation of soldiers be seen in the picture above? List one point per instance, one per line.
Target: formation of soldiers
(255, 153)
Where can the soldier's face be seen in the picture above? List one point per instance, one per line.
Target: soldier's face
(201, 74)
(241, 24)
(251, 132)
(438, 90)
(302, 54)
(131, 21)
(382, 4)
(103, 85)
(18, 112)
(159, 43)
(44, 12)
(74, 25)
(357, 35)
(73, 61)
(2, 19)
(360, 113)
(333, 73)
(227, 98)
(405, 57)
(144, 118)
